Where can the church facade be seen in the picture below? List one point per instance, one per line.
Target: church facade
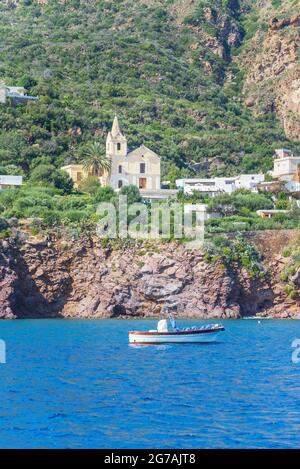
(140, 167)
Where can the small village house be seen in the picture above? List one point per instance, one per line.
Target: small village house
(201, 211)
(285, 165)
(6, 182)
(78, 173)
(271, 213)
(285, 174)
(17, 94)
(220, 185)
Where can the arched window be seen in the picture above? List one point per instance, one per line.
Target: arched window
(120, 184)
(118, 146)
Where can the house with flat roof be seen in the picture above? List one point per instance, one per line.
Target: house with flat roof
(17, 94)
(285, 165)
(220, 185)
(6, 182)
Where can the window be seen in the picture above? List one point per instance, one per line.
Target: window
(142, 167)
(142, 183)
(120, 169)
(120, 184)
(118, 146)
(79, 176)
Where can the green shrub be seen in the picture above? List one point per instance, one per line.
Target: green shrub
(293, 253)
(34, 231)
(105, 194)
(44, 174)
(90, 185)
(71, 216)
(237, 250)
(51, 219)
(291, 292)
(286, 252)
(4, 234)
(132, 192)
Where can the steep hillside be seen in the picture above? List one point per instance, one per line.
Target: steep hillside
(165, 66)
(271, 62)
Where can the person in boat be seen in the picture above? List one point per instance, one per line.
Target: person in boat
(162, 325)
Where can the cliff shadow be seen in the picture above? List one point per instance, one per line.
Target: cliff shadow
(253, 295)
(27, 300)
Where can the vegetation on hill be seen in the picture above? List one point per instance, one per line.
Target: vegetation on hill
(291, 272)
(53, 206)
(235, 251)
(166, 71)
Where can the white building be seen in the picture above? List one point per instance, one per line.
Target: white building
(16, 93)
(201, 211)
(10, 181)
(285, 165)
(249, 181)
(220, 185)
(211, 187)
(292, 186)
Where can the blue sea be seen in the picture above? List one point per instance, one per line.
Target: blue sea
(78, 384)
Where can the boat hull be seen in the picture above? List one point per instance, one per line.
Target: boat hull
(148, 338)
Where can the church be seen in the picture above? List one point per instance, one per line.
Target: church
(140, 167)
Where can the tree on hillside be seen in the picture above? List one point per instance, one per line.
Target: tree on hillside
(132, 192)
(45, 175)
(90, 185)
(13, 170)
(95, 161)
(105, 194)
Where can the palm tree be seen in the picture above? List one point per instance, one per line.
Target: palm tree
(95, 161)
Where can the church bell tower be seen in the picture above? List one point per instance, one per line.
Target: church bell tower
(116, 142)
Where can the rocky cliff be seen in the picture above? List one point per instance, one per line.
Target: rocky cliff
(84, 280)
(271, 62)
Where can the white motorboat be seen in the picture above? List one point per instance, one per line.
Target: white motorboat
(174, 335)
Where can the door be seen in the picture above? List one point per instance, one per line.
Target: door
(142, 183)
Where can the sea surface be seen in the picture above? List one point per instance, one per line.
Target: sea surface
(78, 384)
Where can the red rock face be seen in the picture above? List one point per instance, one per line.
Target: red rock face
(276, 24)
(271, 62)
(87, 281)
(7, 280)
